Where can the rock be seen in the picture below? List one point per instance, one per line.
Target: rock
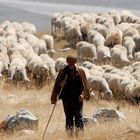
(103, 115)
(24, 119)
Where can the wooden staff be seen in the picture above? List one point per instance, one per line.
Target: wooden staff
(53, 110)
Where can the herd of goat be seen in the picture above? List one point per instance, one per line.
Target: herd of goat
(107, 45)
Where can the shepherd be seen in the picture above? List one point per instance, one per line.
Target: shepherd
(75, 90)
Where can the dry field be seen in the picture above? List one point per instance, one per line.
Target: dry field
(12, 99)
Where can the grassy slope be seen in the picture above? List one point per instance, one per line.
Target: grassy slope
(38, 102)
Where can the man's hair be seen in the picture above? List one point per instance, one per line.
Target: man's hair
(71, 57)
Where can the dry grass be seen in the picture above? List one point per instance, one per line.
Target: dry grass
(38, 102)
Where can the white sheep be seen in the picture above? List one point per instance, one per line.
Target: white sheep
(136, 39)
(130, 31)
(47, 60)
(88, 64)
(60, 63)
(119, 56)
(29, 27)
(87, 51)
(114, 37)
(98, 83)
(100, 28)
(95, 38)
(17, 69)
(40, 47)
(49, 43)
(39, 72)
(103, 54)
(56, 24)
(116, 15)
(4, 63)
(129, 44)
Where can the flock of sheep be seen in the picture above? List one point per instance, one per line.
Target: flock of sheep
(108, 49)
(24, 57)
(107, 45)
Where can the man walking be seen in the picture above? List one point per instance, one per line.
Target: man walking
(72, 83)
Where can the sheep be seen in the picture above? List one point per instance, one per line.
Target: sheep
(10, 39)
(109, 23)
(122, 83)
(99, 83)
(5, 60)
(129, 44)
(117, 84)
(87, 64)
(73, 34)
(122, 72)
(136, 39)
(96, 72)
(1, 69)
(86, 70)
(29, 27)
(127, 16)
(130, 31)
(81, 43)
(116, 15)
(40, 47)
(9, 29)
(4, 64)
(114, 37)
(60, 63)
(56, 24)
(132, 93)
(30, 38)
(100, 28)
(39, 71)
(18, 26)
(100, 19)
(47, 60)
(49, 43)
(103, 54)
(119, 56)
(92, 68)
(85, 28)
(65, 21)
(107, 68)
(95, 38)
(87, 51)
(17, 70)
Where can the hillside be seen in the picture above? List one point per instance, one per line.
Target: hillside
(38, 102)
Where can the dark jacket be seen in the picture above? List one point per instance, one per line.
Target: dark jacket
(61, 76)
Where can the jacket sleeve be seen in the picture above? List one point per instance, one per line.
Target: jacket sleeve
(56, 88)
(84, 81)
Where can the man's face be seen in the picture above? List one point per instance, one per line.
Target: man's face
(71, 62)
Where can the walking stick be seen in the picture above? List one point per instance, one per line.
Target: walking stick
(53, 110)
